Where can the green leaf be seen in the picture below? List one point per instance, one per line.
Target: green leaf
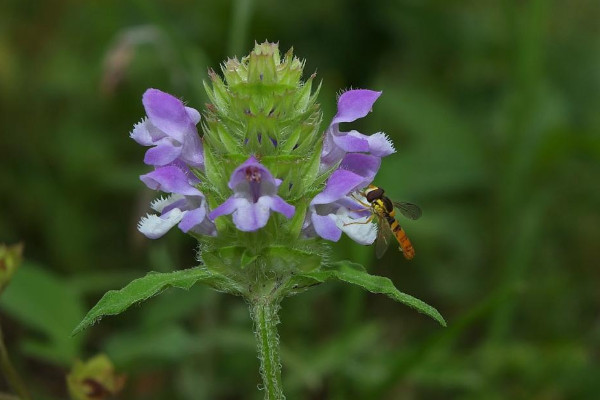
(357, 275)
(116, 301)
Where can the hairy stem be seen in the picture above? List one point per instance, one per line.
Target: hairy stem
(10, 373)
(264, 313)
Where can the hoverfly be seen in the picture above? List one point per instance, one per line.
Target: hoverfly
(383, 209)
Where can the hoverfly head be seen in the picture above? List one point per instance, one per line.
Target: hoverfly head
(373, 193)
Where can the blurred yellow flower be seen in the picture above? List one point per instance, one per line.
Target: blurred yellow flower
(94, 379)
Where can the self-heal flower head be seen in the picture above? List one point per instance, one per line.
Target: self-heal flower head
(186, 207)
(353, 105)
(254, 197)
(171, 129)
(260, 110)
(263, 159)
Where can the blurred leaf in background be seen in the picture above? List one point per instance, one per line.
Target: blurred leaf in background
(41, 301)
(10, 260)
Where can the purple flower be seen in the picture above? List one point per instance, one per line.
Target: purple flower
(334, 211)
(352, 105)
(254, 196)
(186, 206)
(171, 129)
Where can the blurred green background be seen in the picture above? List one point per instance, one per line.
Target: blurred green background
(494, 110)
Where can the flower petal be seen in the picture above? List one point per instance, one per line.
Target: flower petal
(249, 216)
(364, 165)
(326, 227)
(161, 203)
(226, 208)
(380, 145)
(356, 210)
(331, 154)
(355, 104)
(153, 226)
(279, 205)
(192, 152)
(352, 142)
(206, 227)
(141, 134)
(339, 184)
(192, 178)
(192, 218)
(167, 113)
(240, 174)
(193, 114)
(164, 153)
(170, 179)
(357, 229)
(254, 196)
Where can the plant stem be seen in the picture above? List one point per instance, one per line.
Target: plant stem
(264, 313)
(10, 373)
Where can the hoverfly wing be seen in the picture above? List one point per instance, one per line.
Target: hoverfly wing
(409, 210)
(384, 235)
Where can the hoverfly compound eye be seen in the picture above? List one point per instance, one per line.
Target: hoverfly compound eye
(373, 194)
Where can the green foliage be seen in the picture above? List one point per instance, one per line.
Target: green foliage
(116, 301)
(356, 274)
(493, 108)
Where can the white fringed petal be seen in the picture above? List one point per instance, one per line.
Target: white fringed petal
(380, 145)
(160, 203)
(357, 229)
(153, 226)
(141, 134)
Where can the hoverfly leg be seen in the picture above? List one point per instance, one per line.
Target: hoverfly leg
(360, 209)
(362, 203)
(368, 221)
